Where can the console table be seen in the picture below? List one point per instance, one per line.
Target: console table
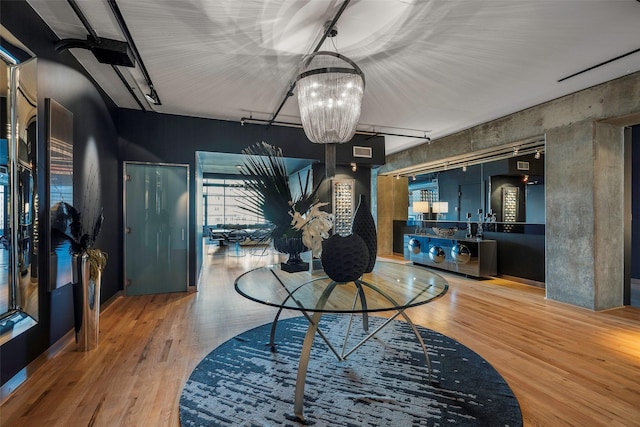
(477, 258)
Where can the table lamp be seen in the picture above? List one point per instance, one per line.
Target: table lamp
(420, 208)
(440, 208)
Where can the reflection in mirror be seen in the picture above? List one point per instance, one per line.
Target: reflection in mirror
(4, 188)
(504, 194)
(26, 203)
(18, 196)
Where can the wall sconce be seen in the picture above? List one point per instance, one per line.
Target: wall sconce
(354, 167)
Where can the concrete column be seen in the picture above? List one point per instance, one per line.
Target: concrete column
(569, 236)
(609, 215)
(584, 179)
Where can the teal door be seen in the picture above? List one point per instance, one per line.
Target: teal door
(156, 221)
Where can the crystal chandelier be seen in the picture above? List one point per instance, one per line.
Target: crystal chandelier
(330, 90)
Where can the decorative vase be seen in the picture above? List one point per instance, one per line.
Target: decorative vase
(86, 292)
(294, 247)
(364, 226)
(344, 259)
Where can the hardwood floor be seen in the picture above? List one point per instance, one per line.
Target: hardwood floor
(566, 365)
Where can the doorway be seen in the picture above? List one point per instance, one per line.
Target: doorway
(156, 221)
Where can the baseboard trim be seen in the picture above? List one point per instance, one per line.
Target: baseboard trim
(67, 339)
(523, 281)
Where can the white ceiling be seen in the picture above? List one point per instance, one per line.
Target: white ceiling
(432, 67)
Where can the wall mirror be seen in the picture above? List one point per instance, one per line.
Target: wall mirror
(509, 190)
(18, 192)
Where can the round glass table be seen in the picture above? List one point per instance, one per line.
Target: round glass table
(389, 287)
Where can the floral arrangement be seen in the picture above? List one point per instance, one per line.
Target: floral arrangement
(315, 226)
(67, 224)
(267, 183)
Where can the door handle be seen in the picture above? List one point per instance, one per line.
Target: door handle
(127, 230)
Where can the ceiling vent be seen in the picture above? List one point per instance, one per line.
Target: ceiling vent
(365, 152)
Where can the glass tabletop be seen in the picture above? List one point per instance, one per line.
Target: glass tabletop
(390, 286)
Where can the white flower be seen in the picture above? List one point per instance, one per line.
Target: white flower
(315, 226)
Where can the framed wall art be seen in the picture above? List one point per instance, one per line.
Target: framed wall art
(59, 153)
(343, 205)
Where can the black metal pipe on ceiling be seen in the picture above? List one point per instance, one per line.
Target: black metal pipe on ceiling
(127, 34)
(315, 50)
(87, 25)
(126, 84)
(83, 18)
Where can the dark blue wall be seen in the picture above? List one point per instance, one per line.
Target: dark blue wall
(164, 138)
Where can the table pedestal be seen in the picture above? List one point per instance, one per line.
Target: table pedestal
(313, 329)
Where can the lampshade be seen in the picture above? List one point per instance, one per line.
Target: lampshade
(421, 207)
(330, 97)
(440, 207)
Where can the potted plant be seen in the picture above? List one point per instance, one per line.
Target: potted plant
(67, 223)
(267, 184)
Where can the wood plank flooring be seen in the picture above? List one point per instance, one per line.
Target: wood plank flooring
(567, 366)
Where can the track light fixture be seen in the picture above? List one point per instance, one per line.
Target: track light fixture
(152, 97)
(537, 155)
(106, 51)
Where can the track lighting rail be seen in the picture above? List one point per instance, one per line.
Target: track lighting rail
(269, 122)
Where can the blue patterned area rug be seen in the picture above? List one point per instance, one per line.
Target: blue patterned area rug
(384, 383)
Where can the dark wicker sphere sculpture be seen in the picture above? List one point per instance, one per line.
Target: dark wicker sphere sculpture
(364, 226)
(344, 259)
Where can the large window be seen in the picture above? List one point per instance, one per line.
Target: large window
(223, 199)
